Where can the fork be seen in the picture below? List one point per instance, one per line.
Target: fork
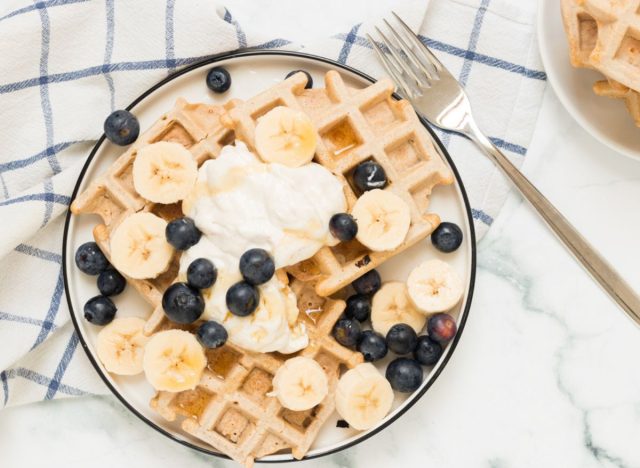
(438, 96)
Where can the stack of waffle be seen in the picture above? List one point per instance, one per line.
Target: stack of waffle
(356, 125)
(230, 409)
(604, 35)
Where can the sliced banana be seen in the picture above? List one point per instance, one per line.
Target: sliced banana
(300, 384)
(383, 220)
(269, 328)
(434, 287)
(121, 345)
(285, 136)
(391, 305)
(174, 361)
(363, 396)
(164, 172)
(139, 248)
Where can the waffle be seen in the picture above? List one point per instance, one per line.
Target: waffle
(354, 126)
(113, 197)
(612, 89)
(229, 409)
(605, 35)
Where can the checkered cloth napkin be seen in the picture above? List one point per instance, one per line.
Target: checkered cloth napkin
(66, 64)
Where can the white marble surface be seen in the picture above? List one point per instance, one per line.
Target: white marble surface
(546, 374)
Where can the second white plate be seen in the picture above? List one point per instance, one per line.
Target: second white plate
(604, 118)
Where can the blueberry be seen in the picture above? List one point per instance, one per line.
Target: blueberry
(347, 332)
(309, 84)
(201, 273)
(358, 307)
(211, 334)
(372, 346)
(218, 80)
(121, 128)
(257, 266)
(99, 310)
(404, 375)
(343, 227)
(90, 259)
(242, 299)
(447, 237)
(182, 233)
(369, 283)
(441, 327)
(182, 303)
(369, 175)
(111, 283)
(428, 351)
(402, 339)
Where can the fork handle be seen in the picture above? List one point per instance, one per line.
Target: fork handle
(584, 253)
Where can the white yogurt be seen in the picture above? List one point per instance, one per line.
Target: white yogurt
(241, 203)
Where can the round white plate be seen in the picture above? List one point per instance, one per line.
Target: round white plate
(251, 73)
(604, 118)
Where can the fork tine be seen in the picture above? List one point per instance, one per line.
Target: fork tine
(389, 66)
(398, 60)
(428, 55)
(406, 48)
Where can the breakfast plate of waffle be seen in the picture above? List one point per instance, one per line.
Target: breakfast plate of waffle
(269, 256)
(591, 54)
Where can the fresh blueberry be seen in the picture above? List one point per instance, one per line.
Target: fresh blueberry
(428, 351)
(358, 307)
(369, 283)
(441, 327)
(201, 273)
(369, 175)
(257, 266)
(309, 84)
(447, 237)
(90, 259)
(242, 299)
(372, 346)
(182, 303)
(218, 80)
(343, 227)
(100, 310)
(121, 128)
(401, 338)
(404, 375)
(347, 332)
(211, 334)
(182, 233)
(111, 283)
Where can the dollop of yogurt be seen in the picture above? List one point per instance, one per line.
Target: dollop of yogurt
(239, 203)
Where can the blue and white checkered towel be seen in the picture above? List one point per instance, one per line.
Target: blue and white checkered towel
(66, 64)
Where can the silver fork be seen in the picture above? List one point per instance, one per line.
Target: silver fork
(436, 94)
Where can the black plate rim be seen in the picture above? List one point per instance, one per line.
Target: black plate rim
(464, 314)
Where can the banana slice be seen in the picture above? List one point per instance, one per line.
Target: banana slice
(139, 248)
(164, 172)
(121, 346)
(300, 384)
(285, 136)
(174, 361)
(391, 305)
(363, 396)
(434, 287)
(383, 220)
